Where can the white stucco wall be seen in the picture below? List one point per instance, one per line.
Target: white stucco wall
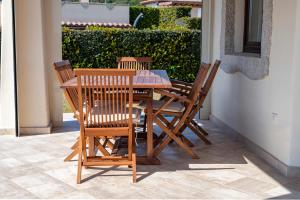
(32, 74)
(196, 12)
(295, 144)
(7, 89)
(95, 13)
(53, 52)
(263, 110)
(38, 45)
(0, 13)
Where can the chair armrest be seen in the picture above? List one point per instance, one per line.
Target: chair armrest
(177, 82)
(172, 95)
(181, 87)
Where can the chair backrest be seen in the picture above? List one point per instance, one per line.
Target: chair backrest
(200, 78)
(210, 78)
(64, 73)
(107, 96)
(137, 63)
(193, 95)
(205, 89)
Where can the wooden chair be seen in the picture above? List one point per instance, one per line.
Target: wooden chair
(108, 95)
(183, 88)
(64, 73)
(180, 108)
(137, 63)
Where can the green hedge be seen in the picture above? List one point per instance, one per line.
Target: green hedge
(178, 52)
(158, 17)
(151, 16)
(194, 23)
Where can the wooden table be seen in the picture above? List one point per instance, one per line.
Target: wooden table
(144, 79)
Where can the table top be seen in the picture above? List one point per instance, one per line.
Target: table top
(143, 79)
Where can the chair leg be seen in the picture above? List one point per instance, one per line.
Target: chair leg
(198, 133)
(76, 144)
(134, 168)
(199, 127)
(72, 155)
(172, 136)
(186, 141)
(163, 134)
(145, 124)
(101, 148)
(79, 167)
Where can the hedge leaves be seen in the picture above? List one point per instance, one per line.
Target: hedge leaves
(178, 51)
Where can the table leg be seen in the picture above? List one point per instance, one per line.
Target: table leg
(149, 159)
(150, 126)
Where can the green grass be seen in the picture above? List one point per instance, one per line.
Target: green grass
(66, 107)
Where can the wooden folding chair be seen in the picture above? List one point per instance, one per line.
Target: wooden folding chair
(137, 63)
(183, 88)
(64, 73)
(179, 107)
(108, 96)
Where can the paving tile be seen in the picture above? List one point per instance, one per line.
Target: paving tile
(251, 185)
(40, 157)
(225, 170)
(50, 190)
(221, 176)
(281, 192)
(10, 162)
(9, 190)
(227, 193)
(33, 180)
(75, 195)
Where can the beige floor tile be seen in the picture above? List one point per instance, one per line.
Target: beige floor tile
(33, 180)
(50, 190)
(225, 170)
(227, 193)
(9, 190)
(221, 176)
(10, 162)
(251, 185)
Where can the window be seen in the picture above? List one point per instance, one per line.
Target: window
(253, 26)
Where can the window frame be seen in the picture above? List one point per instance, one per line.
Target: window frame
(249, 47)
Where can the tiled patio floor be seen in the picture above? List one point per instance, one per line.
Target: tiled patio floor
(33, 167)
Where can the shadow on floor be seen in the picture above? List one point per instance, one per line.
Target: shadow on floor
(226, 154)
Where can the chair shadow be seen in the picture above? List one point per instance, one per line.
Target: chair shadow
(173, 158)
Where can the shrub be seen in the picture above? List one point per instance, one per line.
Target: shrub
(194, 23)
(158, 17)
(183, 11)
(151, 16)
(178, 52)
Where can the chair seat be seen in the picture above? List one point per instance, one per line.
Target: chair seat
(172, 107)
(114, 118)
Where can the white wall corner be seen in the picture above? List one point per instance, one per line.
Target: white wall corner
(206, 49)
(8, 116)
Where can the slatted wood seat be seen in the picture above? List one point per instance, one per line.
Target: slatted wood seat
(172, 128)
(116, 87)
